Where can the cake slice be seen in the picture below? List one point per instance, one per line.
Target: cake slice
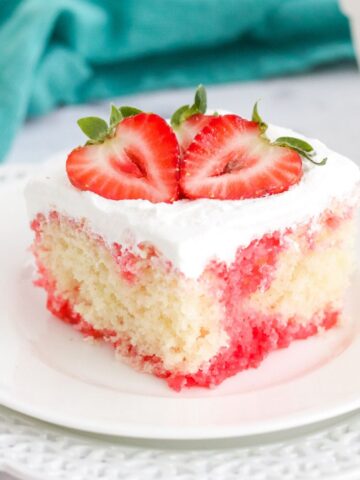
(197, 255)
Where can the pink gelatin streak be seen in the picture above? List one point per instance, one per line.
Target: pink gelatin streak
(252, 335)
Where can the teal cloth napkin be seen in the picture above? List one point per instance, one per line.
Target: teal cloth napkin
(54, 52)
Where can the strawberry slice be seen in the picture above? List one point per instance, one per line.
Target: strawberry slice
(190, 127)
(231, 159)
(137, 158)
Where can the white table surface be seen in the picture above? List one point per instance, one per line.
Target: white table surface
(324, 104)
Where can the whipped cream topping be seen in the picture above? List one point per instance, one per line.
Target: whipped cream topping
(190, 233)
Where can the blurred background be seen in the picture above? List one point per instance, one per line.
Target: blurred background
(63, 59)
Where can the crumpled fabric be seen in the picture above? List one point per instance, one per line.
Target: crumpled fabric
(55, 52)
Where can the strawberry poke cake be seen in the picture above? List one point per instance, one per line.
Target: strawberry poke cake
(197, 246)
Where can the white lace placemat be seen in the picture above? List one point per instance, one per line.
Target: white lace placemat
(34, 450)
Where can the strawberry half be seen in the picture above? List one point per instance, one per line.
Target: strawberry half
(136, 158)
(189, 128)
(231, 159)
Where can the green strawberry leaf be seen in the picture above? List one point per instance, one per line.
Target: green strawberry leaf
(186, 111)
(293, 142)
(301, 147)
(310, 157)
(129, 111)
(94, 127)
(178, 116)
(257, 118)
(200, 102)
(115, 116)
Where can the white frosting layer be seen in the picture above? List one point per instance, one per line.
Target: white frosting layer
(190, 233)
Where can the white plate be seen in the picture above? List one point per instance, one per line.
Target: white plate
(49, 372)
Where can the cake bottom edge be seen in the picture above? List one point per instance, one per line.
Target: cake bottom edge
(269, 334)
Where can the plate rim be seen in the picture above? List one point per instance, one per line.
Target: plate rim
(193, 433)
